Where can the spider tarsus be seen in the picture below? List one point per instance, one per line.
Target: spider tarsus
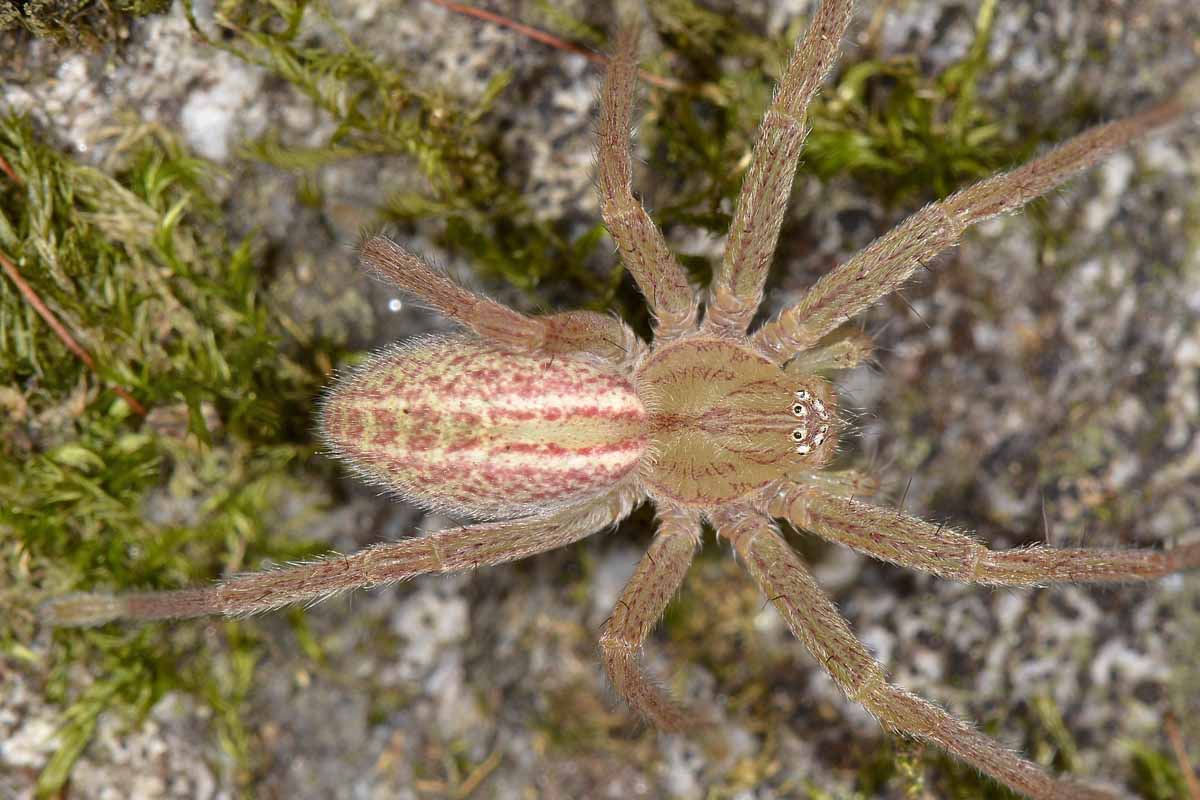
(82, 610)
(1185, 556)
(1189, 93)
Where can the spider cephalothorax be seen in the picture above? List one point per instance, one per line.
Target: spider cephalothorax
(554, 427)
(727, 422)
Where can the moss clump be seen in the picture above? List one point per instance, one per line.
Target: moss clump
(85, 23)
(884, 123)
(902, 134)
(379, 113)
(134, 262)
(906, 135)
(1157, 776)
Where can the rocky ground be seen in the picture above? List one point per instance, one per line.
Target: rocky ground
(1041, 383)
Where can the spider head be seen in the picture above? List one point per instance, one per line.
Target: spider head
(816, 429)
(726, 421)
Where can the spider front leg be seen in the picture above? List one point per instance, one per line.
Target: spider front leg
(813, 618)
(844, 349)
(643, 602)
(890, 260)
(453, 550)
(897, 538)
(737, 286)
(567, 332)
(644, 251)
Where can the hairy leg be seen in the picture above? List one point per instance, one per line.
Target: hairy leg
(737, 287)
(569, 332)
(892, 536)
(643, 602)
(891, 259)
(814, 619)
(643, 249)
(845, 350)
(840, 482)
(603, 335)
(452, 550)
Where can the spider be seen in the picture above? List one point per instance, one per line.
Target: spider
(549, 428)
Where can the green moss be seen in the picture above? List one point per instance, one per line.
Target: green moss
(136, 265)
(922, 771)
(884, 123)
(901, 134)
(1156, 775)
(379, 113)
(699, 139)
(904, 134)
(84, 23)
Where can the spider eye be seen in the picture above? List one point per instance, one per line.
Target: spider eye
(800, 434)
(804, 449)
(802, 395)
(800, 410)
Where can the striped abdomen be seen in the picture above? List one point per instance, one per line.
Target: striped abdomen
(453, 424)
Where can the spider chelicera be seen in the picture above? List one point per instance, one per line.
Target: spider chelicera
(552, 427)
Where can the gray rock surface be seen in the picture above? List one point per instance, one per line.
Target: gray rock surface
(1043, 385)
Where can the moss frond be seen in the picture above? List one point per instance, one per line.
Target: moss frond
(903, 135)
(379, 112)
(906, 135)
(79, 23)
(135, 264)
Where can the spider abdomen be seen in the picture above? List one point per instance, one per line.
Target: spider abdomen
(454, 424)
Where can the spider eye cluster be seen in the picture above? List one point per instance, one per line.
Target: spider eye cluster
(814, 419)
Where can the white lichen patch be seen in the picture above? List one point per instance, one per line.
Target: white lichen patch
(218, 115)
(428, 620)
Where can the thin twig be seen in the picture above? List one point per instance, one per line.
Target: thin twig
(1185, 763)
(60, 330)
(550, 39)
(7, 169)
(45, 313)
(479, 775)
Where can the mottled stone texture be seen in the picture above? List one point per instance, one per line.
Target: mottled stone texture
(1042, 383)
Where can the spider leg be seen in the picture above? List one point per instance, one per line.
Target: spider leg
(737, 286)
(452, 550)
(840, 482)
(814, 619)
(646, 596)
(844, 350)
(890, 260)
(643, 248)
(890, 535)
(568, 332)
